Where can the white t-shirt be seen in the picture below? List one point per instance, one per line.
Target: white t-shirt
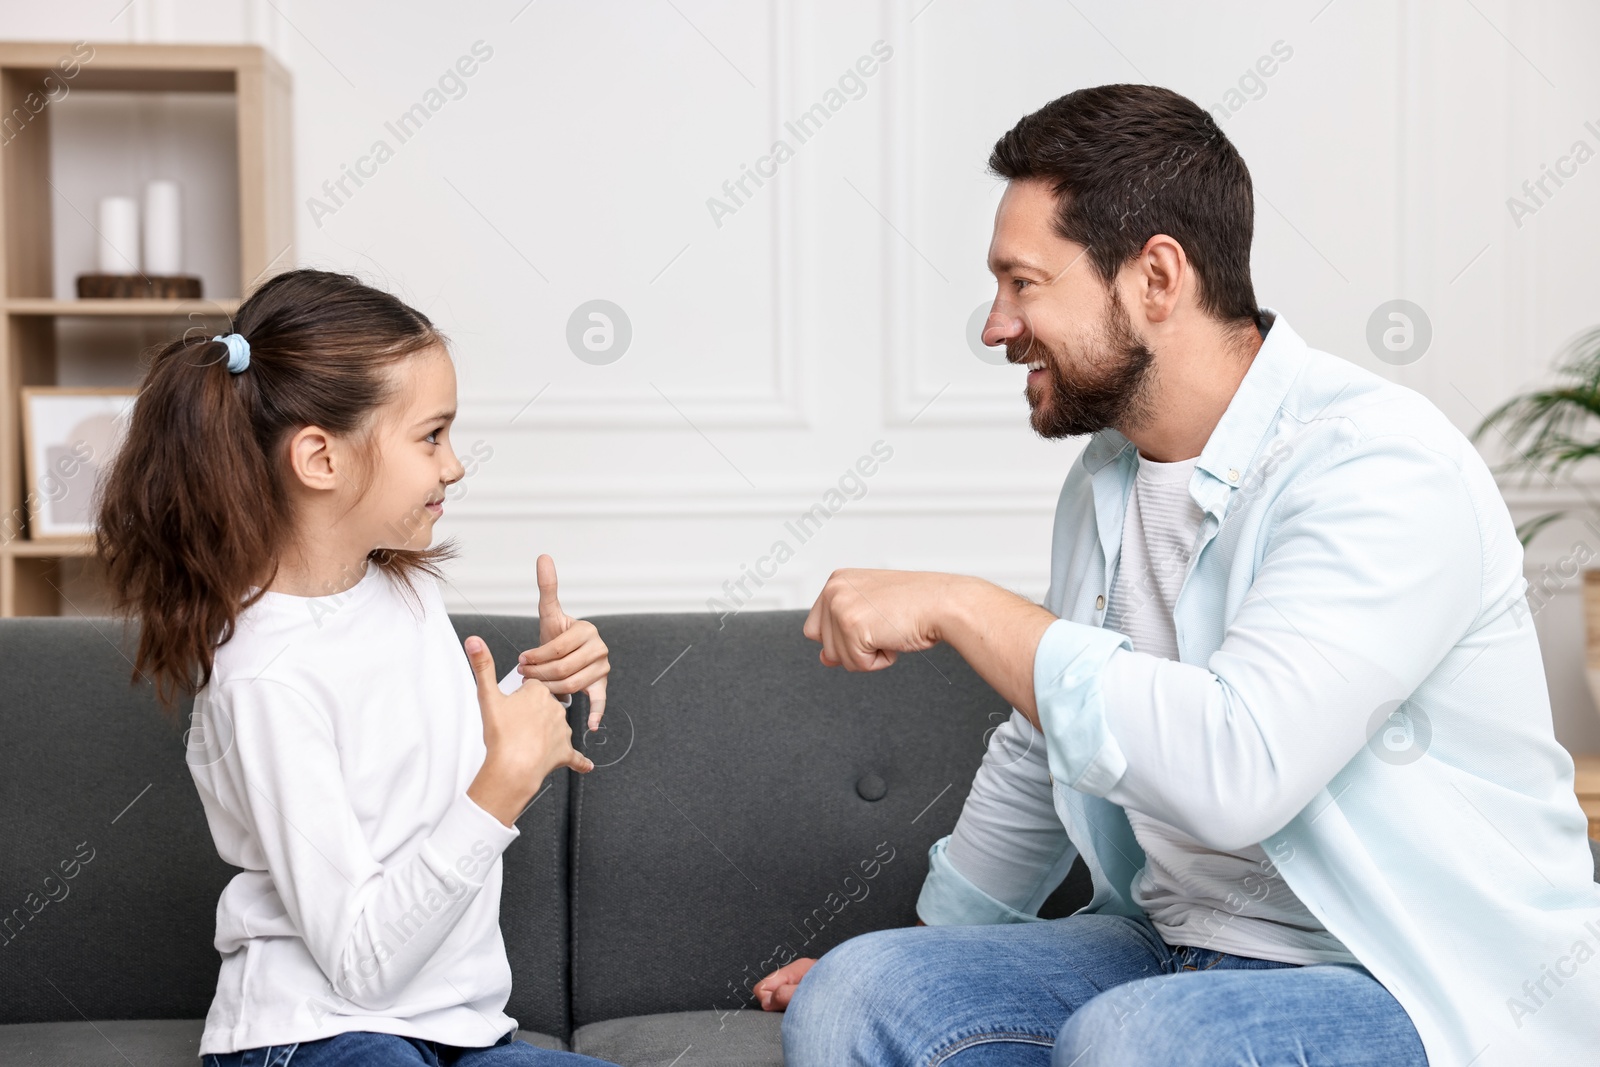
(332, 751)
(1229, 901)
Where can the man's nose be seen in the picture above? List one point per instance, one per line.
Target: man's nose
(1004, 324)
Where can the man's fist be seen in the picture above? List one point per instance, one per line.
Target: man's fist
(866, 618)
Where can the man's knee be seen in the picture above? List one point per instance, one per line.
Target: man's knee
(845, 979)
(1135, 1024)
(841, 997)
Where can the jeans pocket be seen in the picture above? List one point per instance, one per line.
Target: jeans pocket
(1190, 958)
(267, 1056)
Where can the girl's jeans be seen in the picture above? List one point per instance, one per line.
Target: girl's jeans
(364, 1049)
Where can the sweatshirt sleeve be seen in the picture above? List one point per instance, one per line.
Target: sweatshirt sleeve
(370, 928)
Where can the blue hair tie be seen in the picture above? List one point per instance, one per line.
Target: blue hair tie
(238, 351)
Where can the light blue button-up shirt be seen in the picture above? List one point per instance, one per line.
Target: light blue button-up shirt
(1359, 691)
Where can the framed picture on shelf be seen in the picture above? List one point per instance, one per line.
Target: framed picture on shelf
(69, 436)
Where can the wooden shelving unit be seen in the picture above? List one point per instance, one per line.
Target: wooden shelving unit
(1588, 789)
(31, 311)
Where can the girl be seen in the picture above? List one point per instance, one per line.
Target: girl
(267, 521)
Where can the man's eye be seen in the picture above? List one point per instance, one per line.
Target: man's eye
(1020, 282)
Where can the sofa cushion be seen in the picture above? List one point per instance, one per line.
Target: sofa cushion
(116, 1043)
(749, 804)
(550, 1041)
(750, 1038)
(110, 880)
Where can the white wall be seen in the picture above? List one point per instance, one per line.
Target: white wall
(828, 312)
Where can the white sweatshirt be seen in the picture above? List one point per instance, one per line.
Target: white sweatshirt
(332, 750)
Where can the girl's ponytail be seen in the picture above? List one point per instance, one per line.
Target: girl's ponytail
(194, 509)
(187, 515)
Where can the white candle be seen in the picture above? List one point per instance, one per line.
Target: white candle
(119, 235)
(163, 228)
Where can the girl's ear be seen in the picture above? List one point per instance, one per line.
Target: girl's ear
(311, 457)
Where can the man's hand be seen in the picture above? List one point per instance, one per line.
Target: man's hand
(866, 618)
(776, 990)
(570, 656)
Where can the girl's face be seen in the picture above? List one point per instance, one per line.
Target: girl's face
(411, 435)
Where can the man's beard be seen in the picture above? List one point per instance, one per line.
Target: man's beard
(1112, 388)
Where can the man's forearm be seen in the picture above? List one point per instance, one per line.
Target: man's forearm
(997, 633)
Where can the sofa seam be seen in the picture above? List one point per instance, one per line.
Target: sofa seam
(558, 853)
(575, 794)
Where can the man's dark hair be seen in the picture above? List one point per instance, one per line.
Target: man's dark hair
(1129, 161)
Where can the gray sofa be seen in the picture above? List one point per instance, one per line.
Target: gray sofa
(748, 805)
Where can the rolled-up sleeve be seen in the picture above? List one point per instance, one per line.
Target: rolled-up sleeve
(949, 899)
(1008, 851)
(1067, 689)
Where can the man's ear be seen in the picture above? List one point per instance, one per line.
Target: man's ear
(1164, 274)
(312, 458)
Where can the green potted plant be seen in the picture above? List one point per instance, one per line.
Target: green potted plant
(1548, 431)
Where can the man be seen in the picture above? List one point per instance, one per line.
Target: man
(1284, 697)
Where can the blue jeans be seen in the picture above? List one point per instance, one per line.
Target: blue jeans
(361, 1048)
(1084, 991)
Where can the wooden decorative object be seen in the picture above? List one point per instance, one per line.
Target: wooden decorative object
(138, 287)
(69, 437)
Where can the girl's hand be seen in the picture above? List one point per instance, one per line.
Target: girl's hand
(775, 990)
(526, 735)
(570, 656)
